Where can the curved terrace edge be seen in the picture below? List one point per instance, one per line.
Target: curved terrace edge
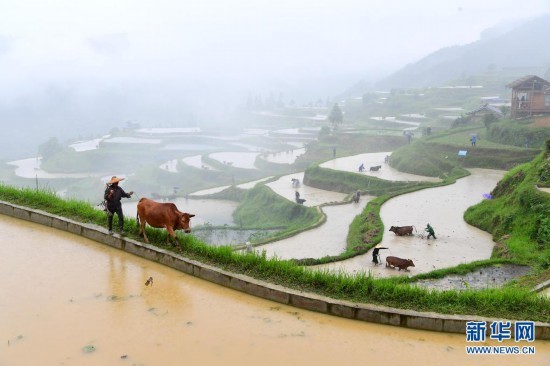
(307, 301)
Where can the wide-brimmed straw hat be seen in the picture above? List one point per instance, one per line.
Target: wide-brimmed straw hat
(378, 246)
(114, 179)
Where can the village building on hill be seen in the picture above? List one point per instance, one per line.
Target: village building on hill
(478, 115)
(530, 97)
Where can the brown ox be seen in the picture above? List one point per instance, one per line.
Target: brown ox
(162, 215)
(399, 263)
(402, 230)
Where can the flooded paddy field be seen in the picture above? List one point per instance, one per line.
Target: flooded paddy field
(325, 240)
(207, 211)
(229, 236)
(69, 301)
(313, 196)
(442, 207)
(369, 160)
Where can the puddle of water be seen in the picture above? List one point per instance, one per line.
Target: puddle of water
(206, 211)
(386, 172)
(487, 277)
(98, 295)
(313, 196)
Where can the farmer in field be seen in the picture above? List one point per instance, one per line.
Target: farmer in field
(113, 195)
(430, 231)
(376, 255)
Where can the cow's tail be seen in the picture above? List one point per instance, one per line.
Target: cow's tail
(137, 218)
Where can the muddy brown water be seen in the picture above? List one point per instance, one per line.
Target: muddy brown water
(386, 172)
(313, 196)
(62, 294)
(443, 207)
(327, 239)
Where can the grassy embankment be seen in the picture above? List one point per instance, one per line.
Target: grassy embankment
(366, 229)
(426, 157)
(518, 216)
(507, 303)
(261, 208)
(437, 155)
(346, 144)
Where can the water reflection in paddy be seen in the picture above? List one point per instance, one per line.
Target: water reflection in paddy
(237, 159)
(207, 211)
(189, 147)
(132, 140)
(229, 237)
(284, 157)
(327, 239)
(170, 166)
(62, 293)
(196, 161)
(313, 196)
(386, 172)
(30, 168)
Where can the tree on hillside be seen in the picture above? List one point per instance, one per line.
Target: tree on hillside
(50, 148)
(489, 119)
(336, 116)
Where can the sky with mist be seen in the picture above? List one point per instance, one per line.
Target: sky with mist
(121, 60)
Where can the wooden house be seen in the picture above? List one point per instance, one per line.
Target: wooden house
(530, 96)
(479, 114)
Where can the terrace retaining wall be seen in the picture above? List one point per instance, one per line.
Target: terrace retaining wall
(249, 285)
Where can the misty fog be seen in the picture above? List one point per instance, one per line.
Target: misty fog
(77, 69)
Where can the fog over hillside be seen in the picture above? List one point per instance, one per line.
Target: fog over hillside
(521, 45)
(78, 69)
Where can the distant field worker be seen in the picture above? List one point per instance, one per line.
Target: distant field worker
(113, 195)
(430, 231)
(299, 200)
(375, 254)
